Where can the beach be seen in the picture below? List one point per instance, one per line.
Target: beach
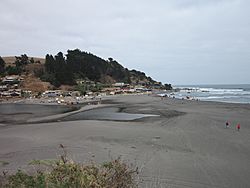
(174, 143)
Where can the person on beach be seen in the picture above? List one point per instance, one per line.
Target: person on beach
(227, 124)
(238, 127)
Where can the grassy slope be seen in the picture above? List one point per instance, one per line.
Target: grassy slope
(11, 59)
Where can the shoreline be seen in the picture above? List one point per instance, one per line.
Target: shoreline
(84, 100)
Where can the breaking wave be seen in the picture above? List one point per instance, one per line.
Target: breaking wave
(221, 93)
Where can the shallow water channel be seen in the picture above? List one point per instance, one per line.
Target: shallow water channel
(111, 113)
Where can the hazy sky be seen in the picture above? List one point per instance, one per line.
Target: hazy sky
(173, 41)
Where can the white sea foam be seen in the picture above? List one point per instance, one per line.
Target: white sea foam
(226, 93)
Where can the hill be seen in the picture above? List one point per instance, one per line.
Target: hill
(80, 65)
(71, 69)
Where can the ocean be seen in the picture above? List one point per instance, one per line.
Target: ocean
(220, 93)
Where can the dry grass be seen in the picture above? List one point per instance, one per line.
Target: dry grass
(31, 82)
(10, 60)
(34, 84)
(66, 173)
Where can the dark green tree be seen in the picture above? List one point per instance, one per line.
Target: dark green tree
(22, 60)
(20, 63)
(32, 60)
(2, 66)
(10, 70)
(49, 64)
(60, 69)
(168, 86)
(57, 71)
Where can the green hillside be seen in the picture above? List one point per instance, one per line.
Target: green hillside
(68, 69)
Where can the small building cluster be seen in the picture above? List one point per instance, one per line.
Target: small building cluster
(122, 88)
(10, 86)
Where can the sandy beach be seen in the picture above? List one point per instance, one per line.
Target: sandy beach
(180, 144)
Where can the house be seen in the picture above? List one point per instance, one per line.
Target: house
(11, 93)
(157, 85)
(51, 93)
(118, 84)
(3, 88)
(87, 82)
(11, 80)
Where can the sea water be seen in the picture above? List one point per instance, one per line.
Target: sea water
(220, 93)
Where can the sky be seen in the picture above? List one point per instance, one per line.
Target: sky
(173, 41)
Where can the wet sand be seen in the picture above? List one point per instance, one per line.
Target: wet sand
(20, 113)
(187, 145)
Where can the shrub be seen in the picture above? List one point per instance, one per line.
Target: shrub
(66, 174)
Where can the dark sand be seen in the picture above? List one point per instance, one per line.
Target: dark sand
(186, 146)
(11, 113)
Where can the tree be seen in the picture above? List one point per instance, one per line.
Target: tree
(49, 64)
(63, 73)
(110, 59)
(32, 60)
(20, 63)
(22, 60)
(12, 70)
(57, 70)
(168, 86)
(2, 66)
